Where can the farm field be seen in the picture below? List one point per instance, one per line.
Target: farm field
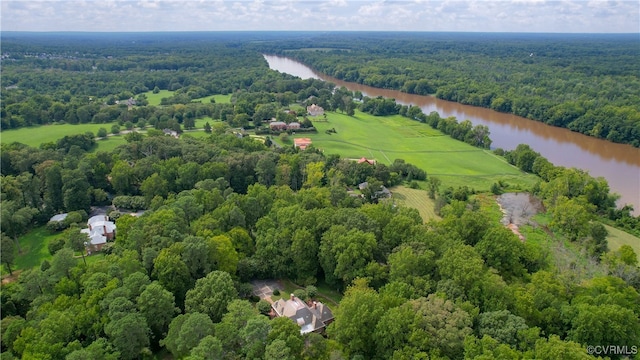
(417, 199)
(617, 238)
(395, 137)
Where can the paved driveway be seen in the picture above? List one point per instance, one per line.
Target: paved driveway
(264, 288)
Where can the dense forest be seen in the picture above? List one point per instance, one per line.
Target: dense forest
(223, 210)
(584, 82)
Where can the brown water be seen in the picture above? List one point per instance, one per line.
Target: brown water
(619, 164)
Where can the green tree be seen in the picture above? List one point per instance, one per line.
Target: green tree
(223, 253)
(153, 186)
(278, 349)
(209, 348)
(76, 190)
(356, 319)
(282, 328)
(228, 330)
(211, 295)
(608, 324)
(157, 305)
(76, 241)
(129, 334)
(571, 218)
(345, 254)
(8, 251)
(172, 273)
(304, 251)
(433, 184)
(502, 250)
(554, 348)
(185, 333)
(15, 220)
(99, 349)
(462, 265)
(253, 337)
(122, 177)
(53, 197)
(501, 325)
(102, 133)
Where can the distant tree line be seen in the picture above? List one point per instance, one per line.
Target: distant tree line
(585, 83)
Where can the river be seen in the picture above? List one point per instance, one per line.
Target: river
(619, 164)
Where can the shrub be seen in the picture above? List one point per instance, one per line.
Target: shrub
(55, 245)
(276, 292)
(55, 226)
(312, 291)
(129, 202)
(102, 133)
(264, 307)
(115, 215)
(300, 294)
(73, 217)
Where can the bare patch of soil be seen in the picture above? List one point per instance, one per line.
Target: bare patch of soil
(11, 278)
(518, 208)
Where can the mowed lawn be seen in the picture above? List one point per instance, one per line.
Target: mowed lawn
(36, 135)
(617, 238)
(34, 249)
(417, 199)
(155, 99)
(395, 137)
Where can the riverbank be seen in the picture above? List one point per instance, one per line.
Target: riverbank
(619, 164)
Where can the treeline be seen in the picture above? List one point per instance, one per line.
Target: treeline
(464, 131)
(72, 79)
(587, 83)
(222, 211)
(573, 197)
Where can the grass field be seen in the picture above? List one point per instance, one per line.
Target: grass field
(155, 99)
(220, 99)
(109, 143)
(395, 137)
(617, 238)
(34, 249)
(36, 135)
(417, 199)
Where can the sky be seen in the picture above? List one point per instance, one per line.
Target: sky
(577, 16)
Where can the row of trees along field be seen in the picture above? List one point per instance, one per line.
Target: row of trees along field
(584, 82)
(222, 211)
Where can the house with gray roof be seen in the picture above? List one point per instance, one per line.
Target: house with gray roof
(312, 317)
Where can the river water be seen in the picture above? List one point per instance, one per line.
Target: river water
(618, 163)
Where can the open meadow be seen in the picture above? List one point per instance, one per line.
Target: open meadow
(155, 99)
(617, 238)
(417, 199)
(36, 135)
(395, 137)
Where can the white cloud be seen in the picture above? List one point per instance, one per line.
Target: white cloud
(409, 15)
